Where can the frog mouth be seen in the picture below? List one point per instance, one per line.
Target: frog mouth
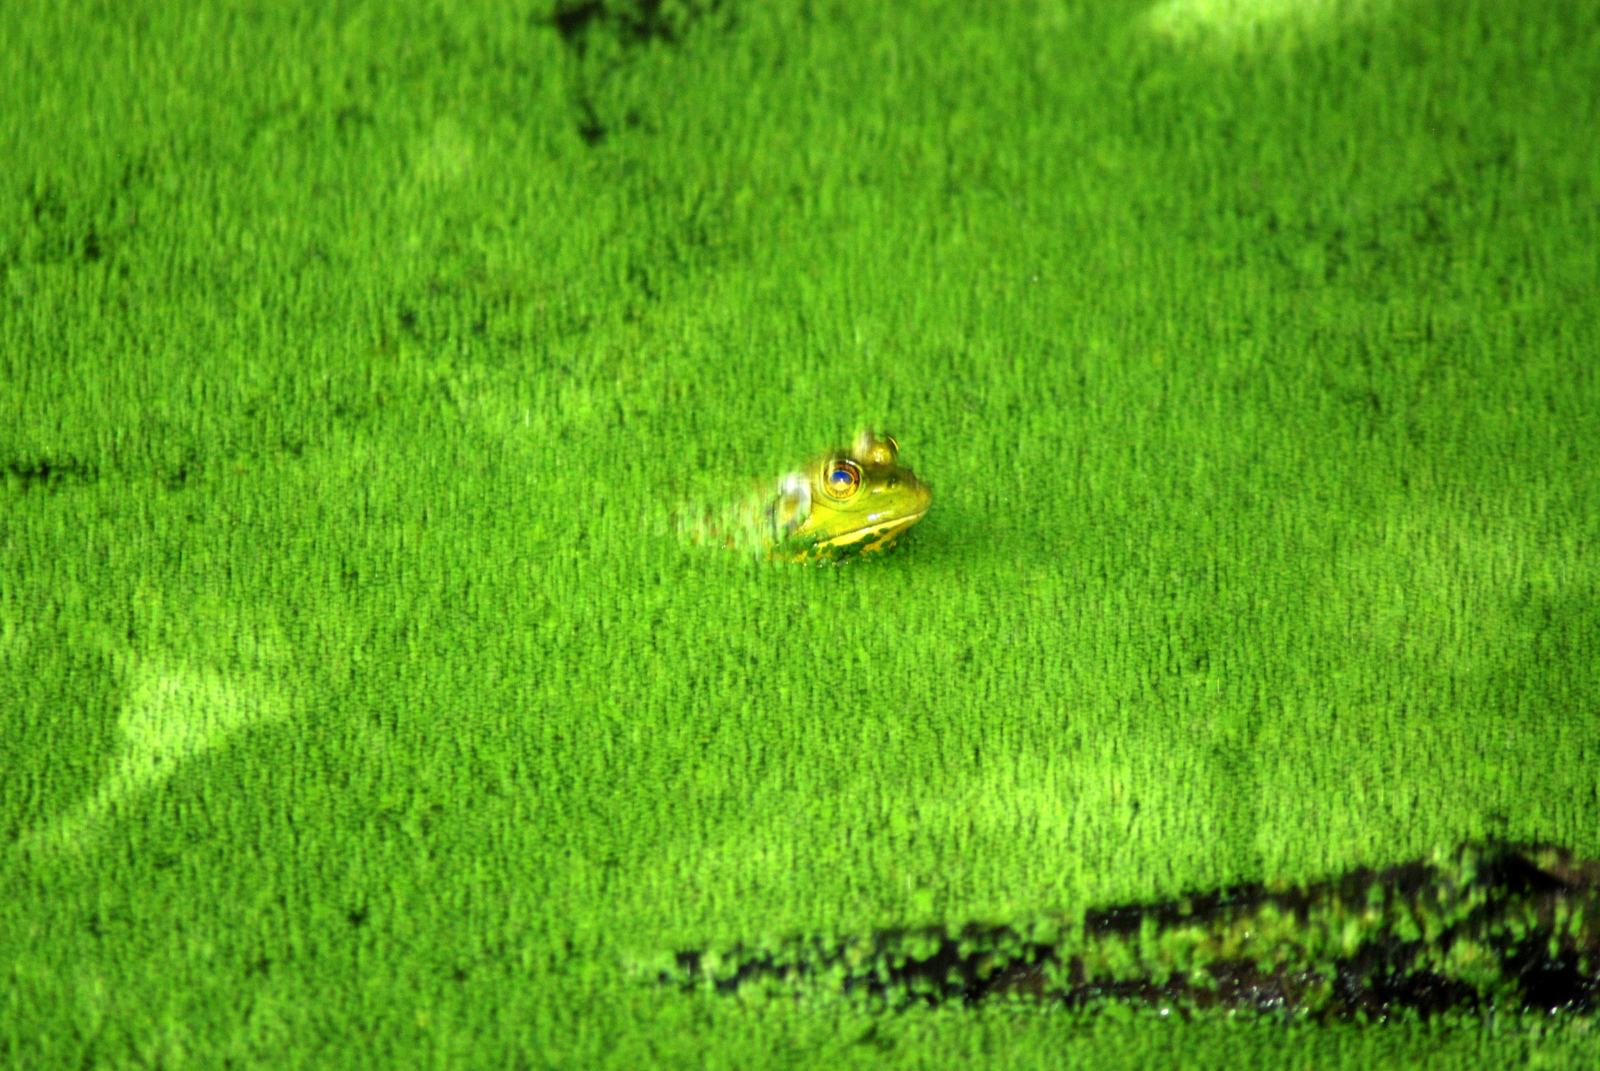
(878, 533)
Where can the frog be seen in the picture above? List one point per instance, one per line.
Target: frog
(846, 503)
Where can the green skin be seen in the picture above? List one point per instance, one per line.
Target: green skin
(841, 505)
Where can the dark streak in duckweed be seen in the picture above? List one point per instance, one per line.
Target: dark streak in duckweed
(47, 472)
(1483, 928)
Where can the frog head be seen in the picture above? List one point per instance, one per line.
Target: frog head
(847, 502)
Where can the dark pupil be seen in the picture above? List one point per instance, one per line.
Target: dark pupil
(842, 477)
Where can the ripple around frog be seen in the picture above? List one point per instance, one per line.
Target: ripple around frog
(1482, 929)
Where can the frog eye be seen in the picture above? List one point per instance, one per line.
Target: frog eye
(841, 478)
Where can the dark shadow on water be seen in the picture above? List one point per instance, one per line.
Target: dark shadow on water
(1494, 927)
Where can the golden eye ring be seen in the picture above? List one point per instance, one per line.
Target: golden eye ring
(841, 478)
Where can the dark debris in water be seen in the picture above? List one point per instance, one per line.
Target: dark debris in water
(1483, 928)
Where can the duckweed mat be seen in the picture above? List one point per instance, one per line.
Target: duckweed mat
(361, 707)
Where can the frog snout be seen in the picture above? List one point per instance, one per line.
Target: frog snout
(920, 493)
